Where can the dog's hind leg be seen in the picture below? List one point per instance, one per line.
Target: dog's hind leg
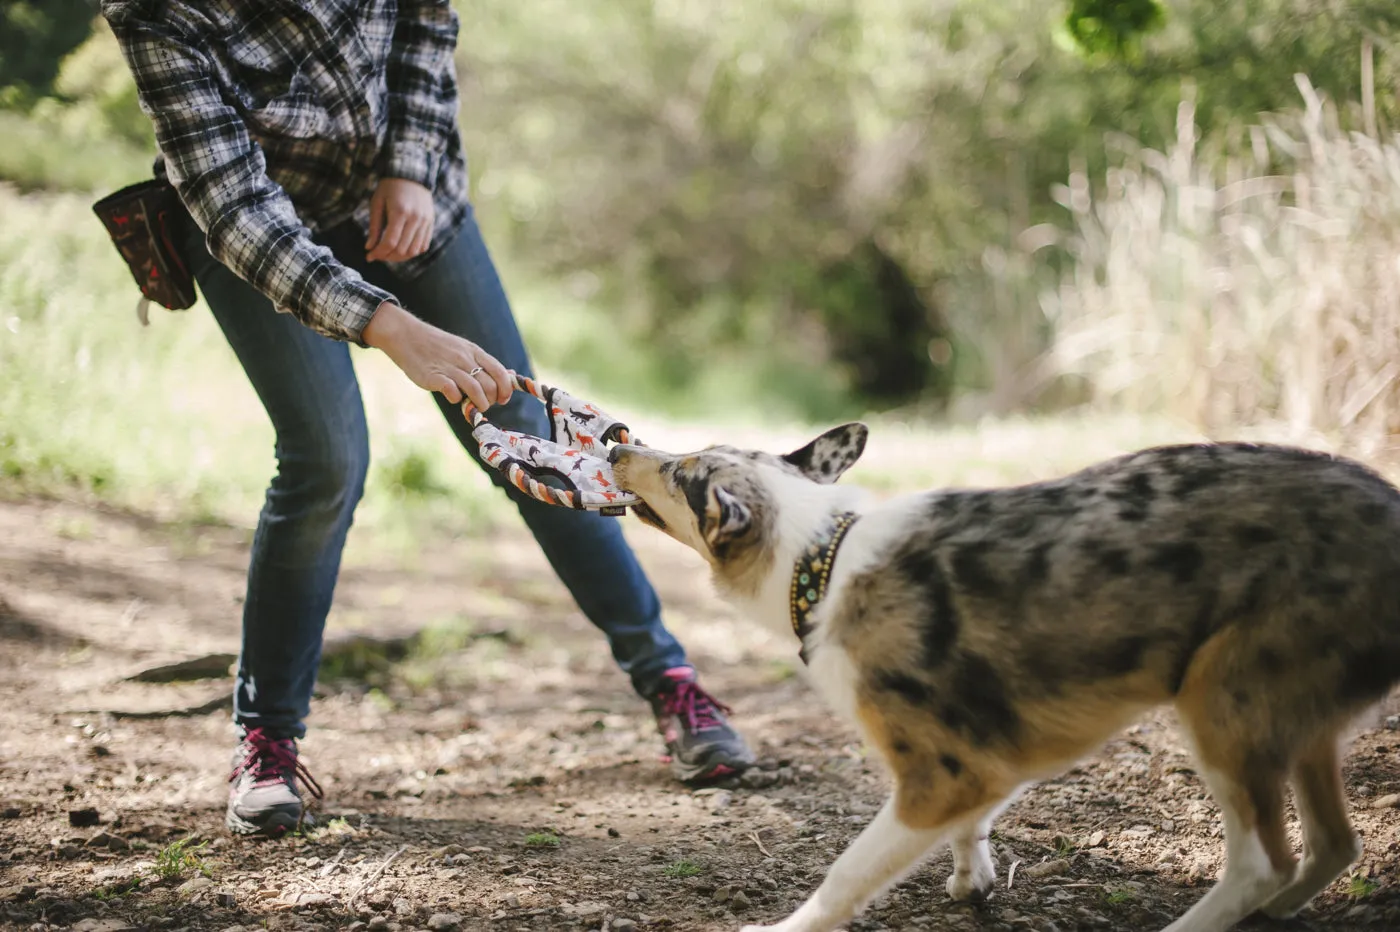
(1247, 783)
(974, 872)
(1330, 845)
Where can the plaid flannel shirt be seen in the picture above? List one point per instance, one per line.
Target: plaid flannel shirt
(278, 118)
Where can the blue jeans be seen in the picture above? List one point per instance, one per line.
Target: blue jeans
(308, 386)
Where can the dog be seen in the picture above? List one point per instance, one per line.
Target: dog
(983, 639)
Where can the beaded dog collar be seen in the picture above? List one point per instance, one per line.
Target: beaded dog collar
(812, 572)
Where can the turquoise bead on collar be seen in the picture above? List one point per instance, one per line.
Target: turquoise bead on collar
(812, 572)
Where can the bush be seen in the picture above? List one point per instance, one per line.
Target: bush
(1258, 284)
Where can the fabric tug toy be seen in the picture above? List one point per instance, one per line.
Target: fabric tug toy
(571, 467)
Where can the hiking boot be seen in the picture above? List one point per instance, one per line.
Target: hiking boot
(264, 799)
(700, 742)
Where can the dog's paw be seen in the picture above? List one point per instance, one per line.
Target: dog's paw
(972, 882)
(970, 888)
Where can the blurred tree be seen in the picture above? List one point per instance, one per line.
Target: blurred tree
(34, 38)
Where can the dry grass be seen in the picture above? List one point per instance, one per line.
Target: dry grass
(1257, 289)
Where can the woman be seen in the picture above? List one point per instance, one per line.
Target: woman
(315, 147)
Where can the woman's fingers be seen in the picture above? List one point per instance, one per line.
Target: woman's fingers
(448, 388)
(388, 245)
(472, 387)
(502, 377)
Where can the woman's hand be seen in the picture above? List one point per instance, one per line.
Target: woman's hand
(400, 221)
(436, 360)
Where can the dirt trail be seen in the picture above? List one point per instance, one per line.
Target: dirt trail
(511, 781)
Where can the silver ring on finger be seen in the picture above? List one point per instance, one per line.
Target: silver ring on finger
(476, 370)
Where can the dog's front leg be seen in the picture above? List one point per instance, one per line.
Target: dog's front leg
(879, 856)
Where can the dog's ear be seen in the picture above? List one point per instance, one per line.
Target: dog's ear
(726, 519)
(826, 458)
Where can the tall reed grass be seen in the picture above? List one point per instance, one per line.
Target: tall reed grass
(1257, 286)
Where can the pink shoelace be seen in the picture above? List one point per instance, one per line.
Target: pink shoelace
(693, 705)
(270, 760)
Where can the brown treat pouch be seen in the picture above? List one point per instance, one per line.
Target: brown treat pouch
(141, 220)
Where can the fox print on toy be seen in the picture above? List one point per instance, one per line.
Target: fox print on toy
(983, 639)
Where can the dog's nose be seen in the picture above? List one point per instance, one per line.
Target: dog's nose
(616, 453)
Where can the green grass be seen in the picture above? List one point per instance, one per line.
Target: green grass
(42, 154)
(1359, 887)
(541, 840)
(180, 858)
(683, 868)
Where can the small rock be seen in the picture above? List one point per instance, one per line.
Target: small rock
(103, 925)
(447, 851)
(402, 907)
(312, 900)
(356, 926)
(226, 899)
(69, 851)
(759, 779)
(109, 841)
(721, 801)
(83, 818)
(633, 896)
(377, 924)
(194, 885)
(1054, 868)
(1167, 857)
(740, 900)
(614, 833)
(513, 900)
(11, 812)
(722, 894)
(1095, 840)
(624, 925)
(1388, 801)
(444, 922)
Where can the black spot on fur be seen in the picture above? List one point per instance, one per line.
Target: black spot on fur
(1368, 674)
(1203, 626)
(1123, 657)
(1320, 529)
(1195, 477)
(1252, 535)
(1114, 560)
(909, 688)
(971, 573)
(1181, 559)
(900, 746)
(950, 764)
(939, 631)
(1270, 661)
(1253, 596)
(977, 703)
(1371, 513)
(1134, 497)
(1021, 524)
(1037, 567)
(696, 491)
